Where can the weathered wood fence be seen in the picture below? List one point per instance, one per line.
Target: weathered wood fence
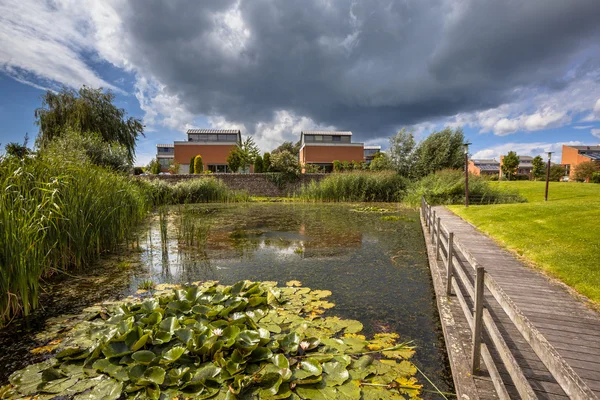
(452, 252)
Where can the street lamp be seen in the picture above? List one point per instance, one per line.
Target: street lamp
(548, 175)
(466, 149)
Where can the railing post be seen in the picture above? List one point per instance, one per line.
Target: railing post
(449, 266)
(433, 228)
(437, 239)
(477, 320)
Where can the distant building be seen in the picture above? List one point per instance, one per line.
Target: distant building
(321, 148)
(214, 145)
(165, 154)
(370, 151)
(575, 155)
(484, 167)
(525, 166)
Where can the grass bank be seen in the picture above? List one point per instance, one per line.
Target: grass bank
(561, 236)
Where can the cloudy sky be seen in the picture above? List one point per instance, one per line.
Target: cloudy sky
(516, 75)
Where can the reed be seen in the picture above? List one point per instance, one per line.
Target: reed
(205, 190)
(356, 186)
(58, 214)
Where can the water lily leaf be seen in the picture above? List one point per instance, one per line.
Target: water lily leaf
(152, 319)
(108, 389)
(161, 337)
(336, 372)
(116, 349)
(143, 356)
(290, 342)
(169, 324)
(248, 339)
(51, 374)
(349, 390)
(185, 335)
(149, 306)
(280, 361)
(141, 342)
(182, 306)
(69, 352)
(308, 367)
(57, 385)
(172, 355)
(153, 375)
(261, 354)
(153, 392)
(208, 371)
(200, 309)
(408, 386)
(238, 287)
(269, 385)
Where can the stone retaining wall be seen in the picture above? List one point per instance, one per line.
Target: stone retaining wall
(254, 184)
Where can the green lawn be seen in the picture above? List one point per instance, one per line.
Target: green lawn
(561, 236)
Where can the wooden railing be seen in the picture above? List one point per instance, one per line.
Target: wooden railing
(453, 253)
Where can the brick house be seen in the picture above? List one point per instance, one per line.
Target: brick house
(321, 148)
(369, 153)
(165, 154)
(214, 145)
(575, 155)
(484, 167)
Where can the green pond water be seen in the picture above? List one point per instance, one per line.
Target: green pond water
(373, 261)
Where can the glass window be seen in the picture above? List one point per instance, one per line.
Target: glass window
(318, 138)
(213, 138)
(345, 139)
(232, 138)
(336, 138)
(327, 138)
(309, 138)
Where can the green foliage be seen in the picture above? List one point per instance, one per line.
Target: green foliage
(539, 168)
(16, 150)
(138, 170)
(198, 165)
(596, 177)
(153, 167)
(346, 166)
(174, 167)
(402, 156)
(356, 186)
(557, 172)
(337, 166)
(146, 285)
(235, 159)
(88, 110)
(288, 146)
(510, 163)
(258, 165)
(312, 169)
(191, 168)
(204, 190)
(247, 151)
(267, 162)
(249, 340)
(440, 150)
(448, 187)
(90, 146)
(58, 212)
(381, 162)
(285, 162)
(584, 171)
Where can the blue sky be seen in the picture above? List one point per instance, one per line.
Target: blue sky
(523, 77)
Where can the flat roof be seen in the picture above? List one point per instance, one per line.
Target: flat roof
(332, 133)
(483, 161)
(372, 147)
(165, 145)
(214, 131)
(595, 148)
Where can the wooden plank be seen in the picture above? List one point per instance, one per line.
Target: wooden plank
(477, 320)
(449, 264)
(494, 374)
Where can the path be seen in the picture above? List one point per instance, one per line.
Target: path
(568, 324)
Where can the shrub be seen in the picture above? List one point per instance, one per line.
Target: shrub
(191, 167)
(520, 177)
(356, 186)
(285, 162)
(346, 165)
(266, 162)
(258, 165)
(207, 189)
(337, 166)
(138, 170)
(557, 172)
(153, 167)
(584, 171)
(174, 167)
(596, 177)
(312, 169)
(448, 187)
(198, 164)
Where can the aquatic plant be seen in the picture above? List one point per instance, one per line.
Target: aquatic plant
(356, 186)
(146, 285)
(249, 340)
(199, 190)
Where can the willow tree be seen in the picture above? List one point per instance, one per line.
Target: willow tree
(86, 110)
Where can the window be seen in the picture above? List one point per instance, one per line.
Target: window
(232, 138)
(309, 138)
(164, 162)
(318, 138)
(336, 138)
(218, 168)
(345, 139)
(212, 138)
(327, 138)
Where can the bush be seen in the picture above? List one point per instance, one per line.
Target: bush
(520, 177)
(584, 171)
(448, 187)
(557, 172)
(596, 177)
(138, 170)
(258, 165)
(174, 167)
(202, 190)
(337, 166)
(266, 162)
(198, 165)
(191, 167)
(153, 167)
(58, 211)
(285, 162)
(356, 186)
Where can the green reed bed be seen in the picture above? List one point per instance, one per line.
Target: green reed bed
(57, 214)
(356, 186)
(205, 190)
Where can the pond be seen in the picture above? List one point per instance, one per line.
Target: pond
(372, 258)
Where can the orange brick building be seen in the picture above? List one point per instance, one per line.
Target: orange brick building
(484, 167)
(321, 148)
(575, 155)
(214, 145)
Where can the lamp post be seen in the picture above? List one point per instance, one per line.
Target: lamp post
(466, 149)
(548, 175)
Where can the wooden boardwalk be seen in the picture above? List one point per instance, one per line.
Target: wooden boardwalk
(567, 325)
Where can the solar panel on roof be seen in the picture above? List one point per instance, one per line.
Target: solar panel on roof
(593, 156)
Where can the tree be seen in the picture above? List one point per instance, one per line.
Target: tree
(539, 168)
(191, 169)
(16, 150)
(247, 151)
(153, 167)
(285, 162)
(337, 166)
(88, 110)
(288, 146)
(235, 159)
(510, 163)
(401, 153)
(267, 162)
(583, 172)
(198, 165)
(440, 150)
(258, 165)
(174, 167)
(556, 172)
(380, 162)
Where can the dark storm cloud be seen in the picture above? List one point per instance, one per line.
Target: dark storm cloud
(366, 65)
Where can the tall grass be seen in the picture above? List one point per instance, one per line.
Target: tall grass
(57, 214)
(205, 190)
(448, 187)
(356, 186)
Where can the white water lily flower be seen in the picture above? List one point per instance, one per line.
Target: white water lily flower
(238, 315)
(304, 345)
(250, 314)
(217, 332)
